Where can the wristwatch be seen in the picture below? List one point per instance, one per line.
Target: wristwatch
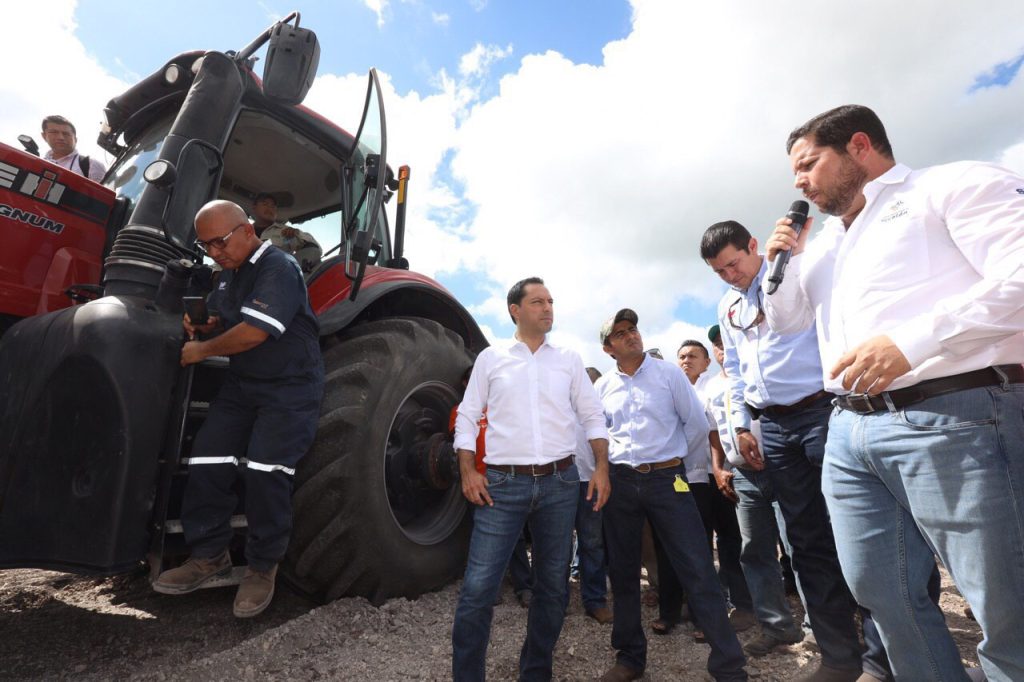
(741, 429)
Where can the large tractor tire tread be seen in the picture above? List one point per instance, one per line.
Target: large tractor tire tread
(347, 539)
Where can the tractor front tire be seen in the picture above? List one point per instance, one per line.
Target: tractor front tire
(366, 521)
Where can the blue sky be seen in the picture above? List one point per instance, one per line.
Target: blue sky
(588, 142)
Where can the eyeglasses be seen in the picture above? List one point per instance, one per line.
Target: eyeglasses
(217, 242)
(734, 313)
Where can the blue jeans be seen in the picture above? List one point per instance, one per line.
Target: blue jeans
(674, 517)
(944, 476)
(548, 505)
(759, 555)
(793, 448)
(590, 549)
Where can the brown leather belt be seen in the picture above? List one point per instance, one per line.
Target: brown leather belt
(648, 468)
(534, 469)
(775, 411)
(989, 376)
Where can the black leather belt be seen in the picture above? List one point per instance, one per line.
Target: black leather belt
(648, 468)
(775, 411)
(534, 469)
(990, 376)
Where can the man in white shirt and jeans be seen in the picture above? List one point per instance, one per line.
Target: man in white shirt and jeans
(534, 393)
(916, 283)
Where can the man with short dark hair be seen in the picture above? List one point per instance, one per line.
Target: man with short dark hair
(655, 421)
(301, 245)
(62, 138)
(916, 288)
(264, 418)
(777, 378)
(535, 393)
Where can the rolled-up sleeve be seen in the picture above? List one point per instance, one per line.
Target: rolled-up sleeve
(471, 409)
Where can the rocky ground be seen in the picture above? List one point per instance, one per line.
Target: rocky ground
(58, 626)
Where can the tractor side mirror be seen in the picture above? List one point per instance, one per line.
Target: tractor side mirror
(292, 59)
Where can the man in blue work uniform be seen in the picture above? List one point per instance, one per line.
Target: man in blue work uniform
(264, 419)
(655, 420)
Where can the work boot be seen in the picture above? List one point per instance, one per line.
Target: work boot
(193, 574)
(764, 643)
(621, 673)
(255, 592)
(602, 614)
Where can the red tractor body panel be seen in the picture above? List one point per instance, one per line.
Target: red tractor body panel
(332, 287)
(54, 226)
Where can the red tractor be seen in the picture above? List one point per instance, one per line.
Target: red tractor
(96, 415)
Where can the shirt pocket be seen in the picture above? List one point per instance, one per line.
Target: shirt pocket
(893, 253)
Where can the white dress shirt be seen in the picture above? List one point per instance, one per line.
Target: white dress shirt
(534, 402)
(96, 168)
(584, 455)
(935, 260)
(652, 416)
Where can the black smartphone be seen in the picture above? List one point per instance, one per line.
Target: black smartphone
(195, 306)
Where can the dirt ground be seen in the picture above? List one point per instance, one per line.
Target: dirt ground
(59, 626)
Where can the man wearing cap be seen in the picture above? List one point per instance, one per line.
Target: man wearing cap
(535, 394)
(777, 378)
(301, 245)
(654, 420)
(916, 288)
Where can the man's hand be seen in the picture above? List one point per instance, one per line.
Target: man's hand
(474, 484)
(872, 366)
(192, 352)
(785, 238)
(747, 445)
(474, 488)
(600, 487)
(192, 329)
(723, 479)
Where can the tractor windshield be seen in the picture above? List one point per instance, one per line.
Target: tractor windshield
(125, 177)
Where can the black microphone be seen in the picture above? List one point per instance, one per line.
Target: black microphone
(798, 214)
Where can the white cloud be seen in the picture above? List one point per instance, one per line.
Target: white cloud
(601, 178)
(378, 7)
(441, 19)
(476, 62)
(478, 5)
(56, 75)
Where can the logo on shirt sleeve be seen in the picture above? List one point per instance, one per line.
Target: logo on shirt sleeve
(261, 304)
(1020, 190)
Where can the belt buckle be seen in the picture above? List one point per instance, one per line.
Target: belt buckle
(860, 403)
(643, 468)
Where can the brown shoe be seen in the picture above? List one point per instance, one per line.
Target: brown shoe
(741, 619)
(621, 673)
(602, 614)
(255, 592)
(193, 574)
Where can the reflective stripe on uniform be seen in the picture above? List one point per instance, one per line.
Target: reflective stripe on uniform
(270, 467)
(264, 317)
(211, 460)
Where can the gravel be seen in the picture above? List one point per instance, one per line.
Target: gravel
(59, 626)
